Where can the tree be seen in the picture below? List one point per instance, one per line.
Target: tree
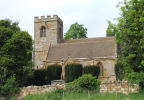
(15, 47)
(129, 32)
(76, 31)
(111, 30)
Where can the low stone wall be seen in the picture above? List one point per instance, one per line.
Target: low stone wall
(24, 91)
(121, 86)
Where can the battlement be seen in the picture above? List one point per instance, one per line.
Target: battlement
(49, 19)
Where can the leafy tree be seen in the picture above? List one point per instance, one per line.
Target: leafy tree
(15, 60)
(76, 31)
(129, 32)
(111, 30)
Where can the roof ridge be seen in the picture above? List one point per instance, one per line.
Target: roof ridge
(80, 42)
(91, 38)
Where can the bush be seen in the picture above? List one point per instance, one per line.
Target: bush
(53, 73)
(59, 91)
(92, 69)
(10, 87)
(73, 71)
(119, 71)
(86, 82)
(39, 77)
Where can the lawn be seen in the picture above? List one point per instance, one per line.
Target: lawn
(84, 96)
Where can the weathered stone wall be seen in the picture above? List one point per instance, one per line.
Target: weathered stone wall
(42, 44)
(24, 91)
(108, 65)
(122, 87)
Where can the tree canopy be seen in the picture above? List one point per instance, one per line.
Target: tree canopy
(129, 32)
(15, 56)
(76, 31)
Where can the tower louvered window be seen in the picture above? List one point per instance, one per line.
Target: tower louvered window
(43, 32)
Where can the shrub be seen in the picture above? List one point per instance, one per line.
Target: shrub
(53, 73)
(73, 71)
(86, 82)
(59, 91)
(10, 87)
(92, 69)
(119, 71)
(39, 77)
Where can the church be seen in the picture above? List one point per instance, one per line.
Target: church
(50, 48)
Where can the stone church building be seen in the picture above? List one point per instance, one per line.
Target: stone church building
(50, 48)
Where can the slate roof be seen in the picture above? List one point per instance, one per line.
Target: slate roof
(83, 48)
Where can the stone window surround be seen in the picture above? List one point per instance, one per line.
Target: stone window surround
(42, 31)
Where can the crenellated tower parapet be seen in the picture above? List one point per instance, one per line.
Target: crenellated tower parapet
(48, 19)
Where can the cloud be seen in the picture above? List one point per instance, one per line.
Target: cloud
(50, 3)
(92, 13)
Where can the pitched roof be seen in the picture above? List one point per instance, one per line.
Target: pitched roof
(88, 39)
(83, 48)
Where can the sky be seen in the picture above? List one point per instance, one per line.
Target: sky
(93, 14)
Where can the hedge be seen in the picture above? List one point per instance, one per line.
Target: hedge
(92, 69)
(73, 71)
(53, 73)
(39, 77)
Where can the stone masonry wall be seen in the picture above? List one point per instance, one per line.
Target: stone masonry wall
(108, 65)
(122, 87)
(24, 91)
(42, 44)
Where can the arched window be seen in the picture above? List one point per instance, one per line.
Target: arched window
(43, 32)
(101, 69)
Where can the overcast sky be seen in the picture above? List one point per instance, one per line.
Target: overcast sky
(92, 13)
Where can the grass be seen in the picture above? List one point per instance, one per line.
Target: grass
(94, 95)
(84, 96)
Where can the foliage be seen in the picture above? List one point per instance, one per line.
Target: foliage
(129, 32)
(88, 81)
(119, 71)
(111, 30)
(76, 31)
(11, 86)
(15, 47)
(92, 69)
(39, 77)
(59, 91)
(53, 73)
(85, 82)
(73, 71)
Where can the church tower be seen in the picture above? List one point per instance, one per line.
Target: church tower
(46, 31)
